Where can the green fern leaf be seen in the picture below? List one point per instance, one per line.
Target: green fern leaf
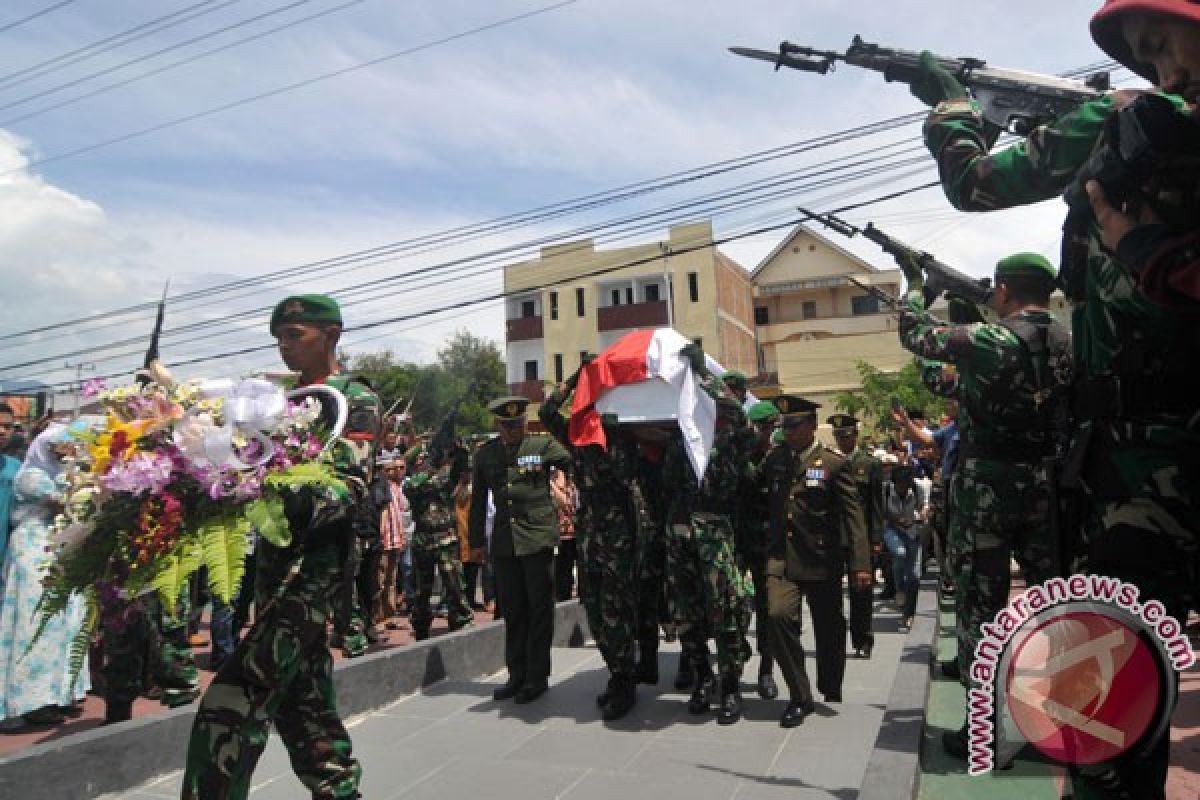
(223, 545)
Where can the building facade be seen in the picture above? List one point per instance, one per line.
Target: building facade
(575, 299)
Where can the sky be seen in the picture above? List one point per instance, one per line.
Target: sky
(215, 170)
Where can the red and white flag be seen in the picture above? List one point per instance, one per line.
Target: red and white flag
(646, 355)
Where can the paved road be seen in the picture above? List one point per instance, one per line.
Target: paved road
(453, 741)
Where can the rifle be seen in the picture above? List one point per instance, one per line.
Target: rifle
(939, 277)
(1012, 100)
(879, 294)
(152, 368)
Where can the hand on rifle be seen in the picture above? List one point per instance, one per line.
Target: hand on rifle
(934, 84)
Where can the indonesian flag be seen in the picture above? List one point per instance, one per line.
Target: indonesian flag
(647, 355)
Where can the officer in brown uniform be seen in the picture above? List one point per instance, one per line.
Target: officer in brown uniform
(515, 468)
(813, 500)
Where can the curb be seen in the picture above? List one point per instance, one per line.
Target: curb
(123, 756)
(894, 769)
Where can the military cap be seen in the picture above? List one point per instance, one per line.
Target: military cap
(762, 411)
(509, 407)
(1028, 265)
(795, 409)
(843, 423)
(306, 308)
(735, 378)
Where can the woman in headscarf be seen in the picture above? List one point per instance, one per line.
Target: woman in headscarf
(36, 685)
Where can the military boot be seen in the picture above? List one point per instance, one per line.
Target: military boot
(705, 688)
(117, 712)
(647, 668)
(622, 696)
(731, 700)
(684, 676)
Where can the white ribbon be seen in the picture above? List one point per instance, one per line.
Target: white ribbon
(250, 408)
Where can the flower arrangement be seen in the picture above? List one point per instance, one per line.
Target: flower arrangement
(175, 478)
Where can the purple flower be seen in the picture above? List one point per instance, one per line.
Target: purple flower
(143, 472)
(92, 387)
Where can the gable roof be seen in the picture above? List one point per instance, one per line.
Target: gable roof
(803, 230)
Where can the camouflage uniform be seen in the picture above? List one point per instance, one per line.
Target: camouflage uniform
(606, 531)
(143, 644)
(1136, 441)
(653, 608)
(282, 672)
(435, 545)
(1001, 495)
(867, 472)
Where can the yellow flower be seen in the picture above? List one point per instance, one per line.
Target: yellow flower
(117, 438)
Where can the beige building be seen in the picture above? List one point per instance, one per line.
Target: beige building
(815, 321)
(576, 299)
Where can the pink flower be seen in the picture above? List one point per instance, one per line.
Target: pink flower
(92, 387)
(140, 473)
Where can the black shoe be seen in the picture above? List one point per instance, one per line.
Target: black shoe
(731, 701)
(795, 713)
(530, 693)
(702, 696)
(647, 670)
(833, 697)
(767, 689)
(622, 697)
(117, 712)
(950, 669)
(864, 650)
(685, 677)
(508, 690)
(955, 743)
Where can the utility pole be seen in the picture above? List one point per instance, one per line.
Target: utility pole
(666, 252)
(79, 368)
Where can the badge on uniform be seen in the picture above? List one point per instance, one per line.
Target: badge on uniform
(813, 476)
(529, 463)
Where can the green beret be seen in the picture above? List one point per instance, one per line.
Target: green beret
(762, 411)
(843, 422)
(306, 308)
(1033, 265)
(795, 409)
(512, 407)
(734, 378)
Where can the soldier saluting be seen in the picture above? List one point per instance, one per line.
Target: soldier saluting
(813, 499)
(515, 468)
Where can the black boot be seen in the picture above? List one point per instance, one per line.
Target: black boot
(117, 712)
(685, 676)
(731, 701)
(622, 696)
(647, 668)
(705, 688)
(767, 689)
(602, 698)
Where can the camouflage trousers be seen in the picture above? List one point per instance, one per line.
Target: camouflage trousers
(1154, 544)
(442, 559)
(652, 607)
(706, 590)
(1001, 510)
(606, 542)
(752, 558)
(281, 673)
(349, 610)
(143, 646)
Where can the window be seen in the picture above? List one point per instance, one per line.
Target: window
(761, 316)
(808, 309)
(579, 302)
(629, 295)
(554, 305)
(866, 304)
(616, 297)
(558, 368)
(531, 371)
(694, 287)
(652, 293)
(528, 308)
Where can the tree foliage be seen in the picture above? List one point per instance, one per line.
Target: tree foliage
(872, 404)
(468, 373)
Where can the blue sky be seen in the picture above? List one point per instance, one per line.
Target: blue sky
(592, 95)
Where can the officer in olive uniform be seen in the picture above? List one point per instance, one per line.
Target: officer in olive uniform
(515, 468)
(868, 477)
(813, 500)
(281, 674)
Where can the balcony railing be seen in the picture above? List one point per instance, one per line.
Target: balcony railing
(534, 390)
(523, 328)
(632, 315)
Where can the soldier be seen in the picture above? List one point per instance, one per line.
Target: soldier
(754, 528)
(140, 632)
(868, 478)
(735, 382)
(515, 468)
(1012, 389)
(430, 493)
(281, 673)
(813, 501)
(607, 540)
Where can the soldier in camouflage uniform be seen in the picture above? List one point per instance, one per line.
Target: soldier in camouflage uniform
(868, 479)
(1133, 292)
(706, 588)
(814, 506)
(754, 528)
(653, 607)
(430, 493)
(281, 673)
(606, 533)
(142, 642)
(1013, 380)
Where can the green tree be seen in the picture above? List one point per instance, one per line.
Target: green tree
(873, 402)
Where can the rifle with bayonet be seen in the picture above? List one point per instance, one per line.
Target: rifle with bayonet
(1012, 100)
(939, 277)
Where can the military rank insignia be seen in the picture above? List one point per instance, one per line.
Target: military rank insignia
(531, 463)
(814, 475)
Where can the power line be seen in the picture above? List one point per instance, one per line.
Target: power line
(293, 86)
(35, 15)
(175, 64)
